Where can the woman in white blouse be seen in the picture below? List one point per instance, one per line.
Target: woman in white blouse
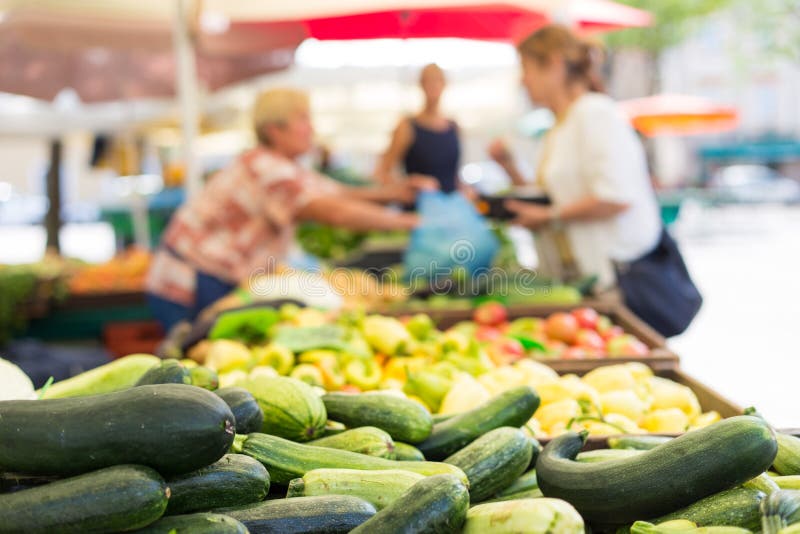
(593, 165)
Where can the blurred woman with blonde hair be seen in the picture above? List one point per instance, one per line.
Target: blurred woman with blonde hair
(244, 219)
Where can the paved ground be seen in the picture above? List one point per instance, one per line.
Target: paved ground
(746, 341)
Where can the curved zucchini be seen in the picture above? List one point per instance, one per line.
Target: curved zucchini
(787, 462)
(435, 504)
(688, 468)
(407, 453)
(245, 408)
(234, 480)
(368, 440)
(737, 507)
(169, 372)
(639, 443)
(117, 498)
(779, 510)
(172, 428)
(403, 419)
(511, 408)
(286, 460)
(204, 523)
(493, 461)
(330, 514)
(604, 455)
(380, 488)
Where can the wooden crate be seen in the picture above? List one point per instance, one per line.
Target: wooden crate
(660, 357)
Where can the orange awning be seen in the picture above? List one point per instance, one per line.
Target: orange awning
(673, 114)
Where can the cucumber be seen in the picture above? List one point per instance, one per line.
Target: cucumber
(641, 443)
(286, 460)
(780, 510)
(737, 507)
(291, 408)
(493, 461)
(511, 408)
(407, 453)
(245, 408)
(525, 482)
(403, 419)
(117, 498)
(524, 515)
(329, 514)
(436, 504)
(115, 376)
(169, 372)
(234, 480)
(172, 428)
(673, 475)
(604, 455)
(763, 483)
(787, 462)
(380, 488)
(367, 440)
(204, 523)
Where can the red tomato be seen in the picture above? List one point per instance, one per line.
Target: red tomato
(586, 317)
(490, 313)
(589, 339)
(562, 326)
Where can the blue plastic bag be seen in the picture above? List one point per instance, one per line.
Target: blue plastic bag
(452, 237)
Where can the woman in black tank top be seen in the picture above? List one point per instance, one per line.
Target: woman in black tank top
(427, 143)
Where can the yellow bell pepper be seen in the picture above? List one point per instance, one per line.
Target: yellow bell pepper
(500, 379)
(276, 356)
(561, 427)
(366, 374)
(669, 394)
(533, 428)
(641, 372)
(262, 370)
(226, 355)
(454, 341)
(628, 426)
(386, 334)
(465, 394)
(397, 368)
(610, 378)
(561, 411)
(308, 374)
(580, 390)
(705, 419)
(599, 428)
(670, 420)
(625, 402)
(391, 383)
(310, 317)
(534, 373)
(428, 386)
(232, 378)
(555, 391)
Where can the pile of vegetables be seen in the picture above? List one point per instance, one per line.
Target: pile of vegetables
(134, 446)
(454, 370)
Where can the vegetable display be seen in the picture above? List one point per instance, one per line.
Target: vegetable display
(148, 452)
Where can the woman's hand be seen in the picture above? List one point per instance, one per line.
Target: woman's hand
(499, 151)
(405, 191)
(531, 216)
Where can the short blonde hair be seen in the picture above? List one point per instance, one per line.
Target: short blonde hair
(276, 106)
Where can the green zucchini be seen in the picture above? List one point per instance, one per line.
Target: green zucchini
(380, 488)
(737, 507)
(779, 510)
(680, 526)
(763, 483)
(493, 461)
(788, 482)
(117, 375)
(536, 448)
(204, 523)
(688, 468)
(233, 480)
(205, 378)
(116, 498)
(604, 455)
(172, 428)
(286, 460)
(291, 408)
(169, 372)
(441, 417)
(403, 419)
(787, 462)
(511, 408)
(524, 515)
(329, 514)
(367, 440)
(525, 482)
(245, 408)
(436, 504)
(640, 443)
(408, 453)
